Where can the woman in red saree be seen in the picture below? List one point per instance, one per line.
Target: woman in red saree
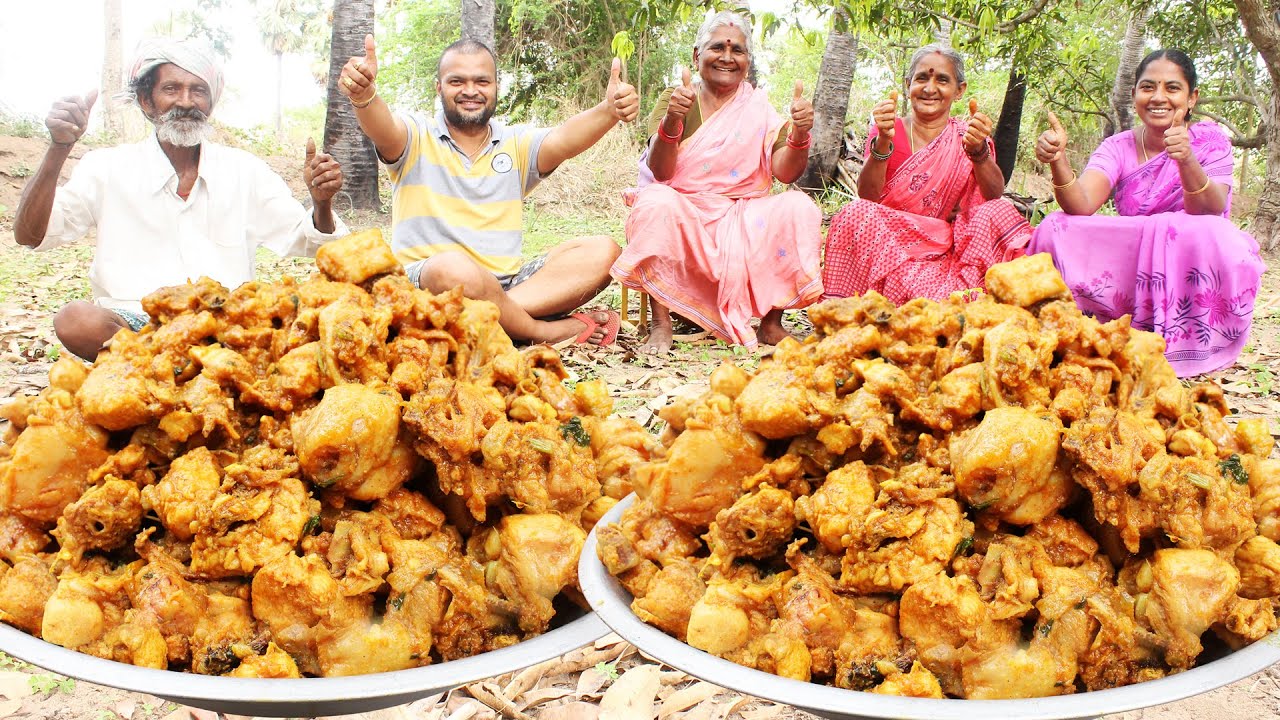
(930, 218)
(704, 237)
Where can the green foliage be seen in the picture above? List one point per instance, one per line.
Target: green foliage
(609, 670)
(47, 683)
(201, 19)
(9, 662)
(410, 47)
(21, 126)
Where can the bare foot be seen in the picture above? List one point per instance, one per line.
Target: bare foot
(659, 340)
(771, 331)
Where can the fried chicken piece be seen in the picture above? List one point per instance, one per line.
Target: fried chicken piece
(274, 663)
(173, 605)
(1065, 541)
(538, 559)
(901, 545)
(787, 397)
(619, 445)
(1258, 561)
(167, 303)
(356, 554)
(50, 462)
(1016, 355)
(1264, 487)
(225, 632)
(939, 615)
(538, 469)
(1248, 621)
(670, 597)
(1005, 466)
(257, 516)
(997, 665)
(353, 335)
(704, 468)
(25, 588)
(450, 420)
(357, 257)
(352, 442)
(86, 604)
(919, 682)
(135, 640)
(117, 395)
(757, 525)
(1254, 437)
(1026, 281)
(187, 490)
(412, 515)
(293, 596)
(837, 510)
(20, 537)
(105, 517)
(1191, 590)
(733, 610)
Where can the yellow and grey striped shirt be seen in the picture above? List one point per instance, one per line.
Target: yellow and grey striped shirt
(444, 202)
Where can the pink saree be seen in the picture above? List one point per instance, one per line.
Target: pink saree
(1191, 278)
(907, 246)
(711, 244)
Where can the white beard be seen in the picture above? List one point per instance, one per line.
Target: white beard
(182, 132)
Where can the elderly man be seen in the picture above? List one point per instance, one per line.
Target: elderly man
(170, 208)
(460, 177)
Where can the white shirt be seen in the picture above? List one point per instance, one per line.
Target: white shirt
(149, 238)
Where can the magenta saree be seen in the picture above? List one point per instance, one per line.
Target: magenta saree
(1191, 278)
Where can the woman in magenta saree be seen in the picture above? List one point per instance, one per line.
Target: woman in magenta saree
(704, 237)
(1172, 259)
(930, 218)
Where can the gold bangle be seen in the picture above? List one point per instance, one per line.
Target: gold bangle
(1207, 183)
(364, 104)
(1066, 185)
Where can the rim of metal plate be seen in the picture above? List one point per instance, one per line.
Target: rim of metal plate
(612, 603)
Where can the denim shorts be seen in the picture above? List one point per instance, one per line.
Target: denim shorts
(526, 271)
(136, 320)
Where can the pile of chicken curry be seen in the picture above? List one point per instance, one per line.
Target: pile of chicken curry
(340, 476)
(997, 499)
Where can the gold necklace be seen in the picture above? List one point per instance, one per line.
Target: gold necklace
(476, 153)
(1145, 159)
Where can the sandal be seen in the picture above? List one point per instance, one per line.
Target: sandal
(610, 326)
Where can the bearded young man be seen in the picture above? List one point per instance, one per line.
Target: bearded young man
(460, 178)
(171, 208)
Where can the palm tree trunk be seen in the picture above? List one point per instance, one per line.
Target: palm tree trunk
(830, 105)
(1009, 126)
(112, 67)
(352, 20)
(477, 21)
(1263, 30)
(1130, 55)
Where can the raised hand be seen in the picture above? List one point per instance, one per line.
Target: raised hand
(681, 99)
(322, 174)
(620, 95)
(69, 118)
(1053, 142)
(885, 116)
(1177, 139)
(356, 79)
(979, 131)
(801, 113)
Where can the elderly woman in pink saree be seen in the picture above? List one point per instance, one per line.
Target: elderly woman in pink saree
(704, 237)
(1172, 260)
(929, 219)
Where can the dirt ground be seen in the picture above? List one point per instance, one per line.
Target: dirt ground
(610, 675)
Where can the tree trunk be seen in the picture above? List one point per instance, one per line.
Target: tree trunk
(352, 20)
(1260, 26)
(1009, 126)
(477, 21)
(1130, 55)
(112, 69)
(830, 105)
(279, 94)
(942, 33)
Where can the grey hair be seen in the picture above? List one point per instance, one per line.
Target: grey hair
(957, 60)
(724, 18)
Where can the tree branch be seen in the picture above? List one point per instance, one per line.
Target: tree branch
(1229, 98)
(1027, 15)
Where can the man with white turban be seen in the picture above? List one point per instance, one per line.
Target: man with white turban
(170, 208)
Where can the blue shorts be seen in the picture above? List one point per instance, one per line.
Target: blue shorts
(135, 319)
(526, 271)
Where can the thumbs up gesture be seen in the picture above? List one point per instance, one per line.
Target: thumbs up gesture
(801, 114)
(1177, 139)
(621, 95)
(885, 116)
(681, 100)
(322, 174)
(976, 136)
(356, 79)
(69, 118)
(1053, 142)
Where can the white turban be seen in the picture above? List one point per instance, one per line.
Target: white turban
(193, 56)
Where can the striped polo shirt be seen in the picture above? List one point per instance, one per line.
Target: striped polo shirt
(444, 202)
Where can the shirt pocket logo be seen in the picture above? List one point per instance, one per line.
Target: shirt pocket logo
(501, 163)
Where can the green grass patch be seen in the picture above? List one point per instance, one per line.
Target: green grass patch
(544, 230)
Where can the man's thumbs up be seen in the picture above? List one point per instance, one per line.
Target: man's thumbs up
(621, 96)
(321, 173)
(69, 118)
(356, 80)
